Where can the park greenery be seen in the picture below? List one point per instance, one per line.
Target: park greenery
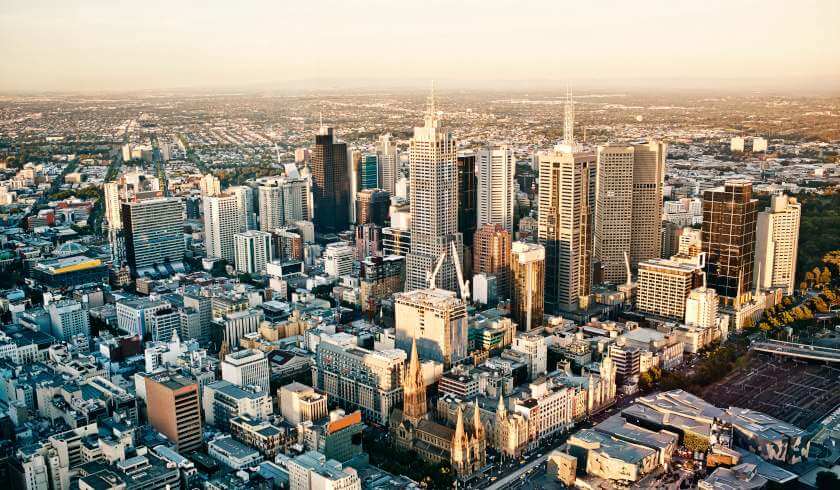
(407, 463)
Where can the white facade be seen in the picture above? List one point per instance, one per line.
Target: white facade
(701, 308)
(777, 243)
(253, 251)
(247, 367)
(338, 259)
(210, 185)
(536, 351)
(434, 204)
(736, 144)
(496, 189)
(223, 218)
(312, 471)
(284, 200)
(68, 318)
(389, 157)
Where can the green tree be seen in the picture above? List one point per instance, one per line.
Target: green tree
(827, 480)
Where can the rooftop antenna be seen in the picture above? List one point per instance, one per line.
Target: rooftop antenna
(569, 119)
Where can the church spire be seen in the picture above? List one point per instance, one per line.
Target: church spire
(414, 388)
(478, 426)
(501, 410)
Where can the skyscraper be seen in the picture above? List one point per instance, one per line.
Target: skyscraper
(369, 171)
(245, 197)
(283, 200)
(628, 208)
(777, 243)
(527, 266)
(223, 218)
(434, 204)
(154, 234)
(253, 251)
(467, 196)
(491, 255)
(729, 222)
(566, 197)
(331, 183)
(372, 206)
(389, 157)
(111, 192)
(495, 168)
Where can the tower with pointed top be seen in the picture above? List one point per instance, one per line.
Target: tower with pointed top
(434, 203)
(414, 389)
(566, 210)
(460, 445)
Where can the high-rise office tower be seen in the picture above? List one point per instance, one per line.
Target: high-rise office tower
(729, 222)
(369, 171)
(434, 204)
(777, 243)
(245, 197)
(491, 255)
(223, 218)
(68, 318)
(389, 157)
(368, 241)
(113, 218)
(495, 167)
(566, 198)
(210, 185)
(527, 271)
(628, 209)
(701, 307)
(437, 320)
(372, 206)
(174, 410)
(331, 185)
(467, 196)
(154, 234)
(252, 250)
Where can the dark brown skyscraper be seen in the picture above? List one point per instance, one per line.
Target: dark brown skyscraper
(491, 255)
(331, 183)
(729, 218)
(372, 206)
(467, 185)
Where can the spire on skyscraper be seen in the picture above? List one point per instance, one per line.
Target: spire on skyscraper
(569, 119)
(431, 110)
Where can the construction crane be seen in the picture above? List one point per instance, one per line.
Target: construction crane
(463, 285)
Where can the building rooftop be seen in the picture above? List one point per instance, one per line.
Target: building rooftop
(614, 448)
(621, 429)
(230, 446)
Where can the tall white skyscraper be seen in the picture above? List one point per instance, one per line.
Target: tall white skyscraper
(223, 218)
(566, 205)
(777, 243)
(253, 251)
(112, 205)
(283, 200)
(245, 198)
(434, 204)
(389, 158)
(495, 167)
(210, 185)
(628, 207)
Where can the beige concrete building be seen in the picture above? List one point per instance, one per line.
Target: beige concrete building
(628, 207)
(174, 410)
(300, 403)
(777, 244)
(437, 319)
(664, 286)
(491, 255)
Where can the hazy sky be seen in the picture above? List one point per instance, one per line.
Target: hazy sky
(122, 44)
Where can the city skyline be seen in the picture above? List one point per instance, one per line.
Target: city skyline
(744, 45)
